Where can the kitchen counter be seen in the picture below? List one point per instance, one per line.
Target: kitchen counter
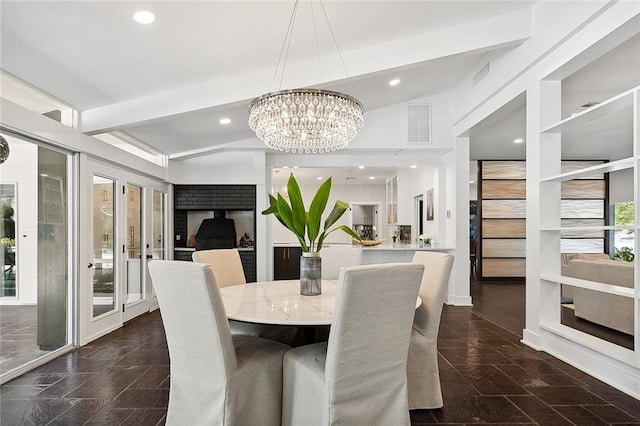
(380, 247)
(405, 246)
(399, 252)
(194, 249)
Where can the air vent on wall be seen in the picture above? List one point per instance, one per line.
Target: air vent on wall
(481, 74)
(418, 123)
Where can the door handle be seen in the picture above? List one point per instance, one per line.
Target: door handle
(149, 256)
(90, 265)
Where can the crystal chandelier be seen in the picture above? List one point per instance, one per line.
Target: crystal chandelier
(305, 120)
(4, 149)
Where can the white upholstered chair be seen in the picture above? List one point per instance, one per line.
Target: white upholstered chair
(359, 376)
(227, 268)
(226, 264)
(422, 366)
(215, 378)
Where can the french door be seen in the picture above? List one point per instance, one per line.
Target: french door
(123, 224)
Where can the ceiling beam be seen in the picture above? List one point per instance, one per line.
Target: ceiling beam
(492, 33)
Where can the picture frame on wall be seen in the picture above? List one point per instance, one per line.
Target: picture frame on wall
(430, 205)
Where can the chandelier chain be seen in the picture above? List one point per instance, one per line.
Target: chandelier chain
(315, 36)
(335, 42)
(284, 50)
(306, 120)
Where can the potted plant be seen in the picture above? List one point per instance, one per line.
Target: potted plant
(306, 226)
(624, 253)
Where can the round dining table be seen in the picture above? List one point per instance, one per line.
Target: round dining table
(280, 303)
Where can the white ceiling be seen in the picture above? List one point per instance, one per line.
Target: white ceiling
(167, 84)
(607, 139)
(339, 175)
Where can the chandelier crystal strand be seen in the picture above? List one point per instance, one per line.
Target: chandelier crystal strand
(306, 120)
(4, 149)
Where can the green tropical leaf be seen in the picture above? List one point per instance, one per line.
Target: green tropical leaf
(338, 210)
(273, 206)
(343, 228)
(285, 213)
(318, 204)
(297, 206)
(273, 209)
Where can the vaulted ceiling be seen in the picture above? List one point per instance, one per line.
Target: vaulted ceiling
(169, 83)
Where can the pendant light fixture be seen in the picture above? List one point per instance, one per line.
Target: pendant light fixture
(305, 120)
(4, 149)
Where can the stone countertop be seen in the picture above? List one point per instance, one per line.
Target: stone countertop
(194, 249)
(380, 247)
(406, 246)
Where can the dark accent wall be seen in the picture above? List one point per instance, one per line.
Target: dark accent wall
(213, 197)
(209, 197)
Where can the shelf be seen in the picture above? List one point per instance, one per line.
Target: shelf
(610, 106)
(613, 166)
(585, 228)
(590, 285)
(589, 341)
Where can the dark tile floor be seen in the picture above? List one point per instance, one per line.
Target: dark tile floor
(487, 375)
(18, 336)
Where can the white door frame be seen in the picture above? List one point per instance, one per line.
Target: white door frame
(91, 328)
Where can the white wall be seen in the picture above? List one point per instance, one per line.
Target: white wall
(621, 186)
(22, 167)
(552, 21)
(387, 127)
(473, 176)
(228, 167)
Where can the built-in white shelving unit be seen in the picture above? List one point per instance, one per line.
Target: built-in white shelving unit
(616, 119)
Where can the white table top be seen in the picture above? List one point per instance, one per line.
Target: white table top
(280, 302)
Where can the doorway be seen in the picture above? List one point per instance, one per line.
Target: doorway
(35, 238)
(364, 220)
(126, 224)
(419, 214)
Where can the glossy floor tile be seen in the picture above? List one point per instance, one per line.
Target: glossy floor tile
(488, 377)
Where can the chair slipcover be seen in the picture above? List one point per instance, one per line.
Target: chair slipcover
(422, 366)
(226, 264)
(227, 268)
(216, 378)
(359, 376)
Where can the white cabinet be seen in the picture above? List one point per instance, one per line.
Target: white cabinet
(392, 199)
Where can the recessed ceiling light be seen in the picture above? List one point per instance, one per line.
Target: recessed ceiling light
(471, 181)
(361, 167)
(144, 17)
(295, 167)
(394, 82)
(518, 140)
(320, 178)
(225, 120)
(413, 166)
(372, 177)
(285, 167)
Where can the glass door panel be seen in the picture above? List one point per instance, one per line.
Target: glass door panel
(135, 289)
(159, 216)
(104, 296)
(8, 240)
